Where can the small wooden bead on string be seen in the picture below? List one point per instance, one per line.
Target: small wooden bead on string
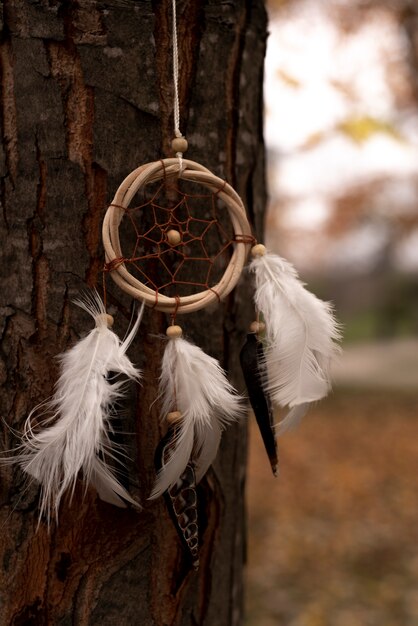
(105, 317)
(174, 332)
(257, 327)
(173, 417)
(179, 145)
(258, 250)
(173, 237)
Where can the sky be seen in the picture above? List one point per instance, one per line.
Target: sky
(339, 115)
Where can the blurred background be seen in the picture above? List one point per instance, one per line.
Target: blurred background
(334, 540)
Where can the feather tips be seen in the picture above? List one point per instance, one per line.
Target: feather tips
(194, 383)
(301, 336)
(74, 433)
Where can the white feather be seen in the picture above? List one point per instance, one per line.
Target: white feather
(207, 442)
(194, 383)
(301, 336)
(74, 435)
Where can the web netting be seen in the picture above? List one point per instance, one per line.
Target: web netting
(176, 242)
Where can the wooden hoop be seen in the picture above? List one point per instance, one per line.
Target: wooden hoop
(187, 170)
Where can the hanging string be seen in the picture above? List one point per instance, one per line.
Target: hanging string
(177, 131)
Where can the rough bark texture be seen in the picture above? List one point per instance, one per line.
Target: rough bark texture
(86, 96)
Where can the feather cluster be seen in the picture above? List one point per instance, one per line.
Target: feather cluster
(301, 337)
(74, 435)
(194, 383)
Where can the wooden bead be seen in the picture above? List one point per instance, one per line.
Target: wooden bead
(174, 417)
(258, 250)
(257, 327)
(173, 332)
(173, 237)
(105, 317)
(179, 144)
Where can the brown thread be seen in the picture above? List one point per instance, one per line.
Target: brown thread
(240, 238)
(119, 206)
(154, 259)
(216, 293)
(156, 299)
(104, 289)
(174, 313)
(113, 264)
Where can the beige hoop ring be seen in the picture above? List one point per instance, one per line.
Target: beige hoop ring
(187, 170)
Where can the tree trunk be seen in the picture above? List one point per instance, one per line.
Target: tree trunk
(86, 97)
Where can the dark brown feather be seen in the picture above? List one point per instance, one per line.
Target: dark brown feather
(252, 359)
(181, 499)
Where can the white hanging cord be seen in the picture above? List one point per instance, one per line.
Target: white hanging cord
(179, 142)
(177, 131)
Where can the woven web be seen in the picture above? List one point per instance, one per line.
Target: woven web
(200, 217)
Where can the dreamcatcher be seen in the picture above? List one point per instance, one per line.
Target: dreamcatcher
(186, 239)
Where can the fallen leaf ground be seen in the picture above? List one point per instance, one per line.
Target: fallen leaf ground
(334, 540)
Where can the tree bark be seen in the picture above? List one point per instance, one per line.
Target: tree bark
(86, 97)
